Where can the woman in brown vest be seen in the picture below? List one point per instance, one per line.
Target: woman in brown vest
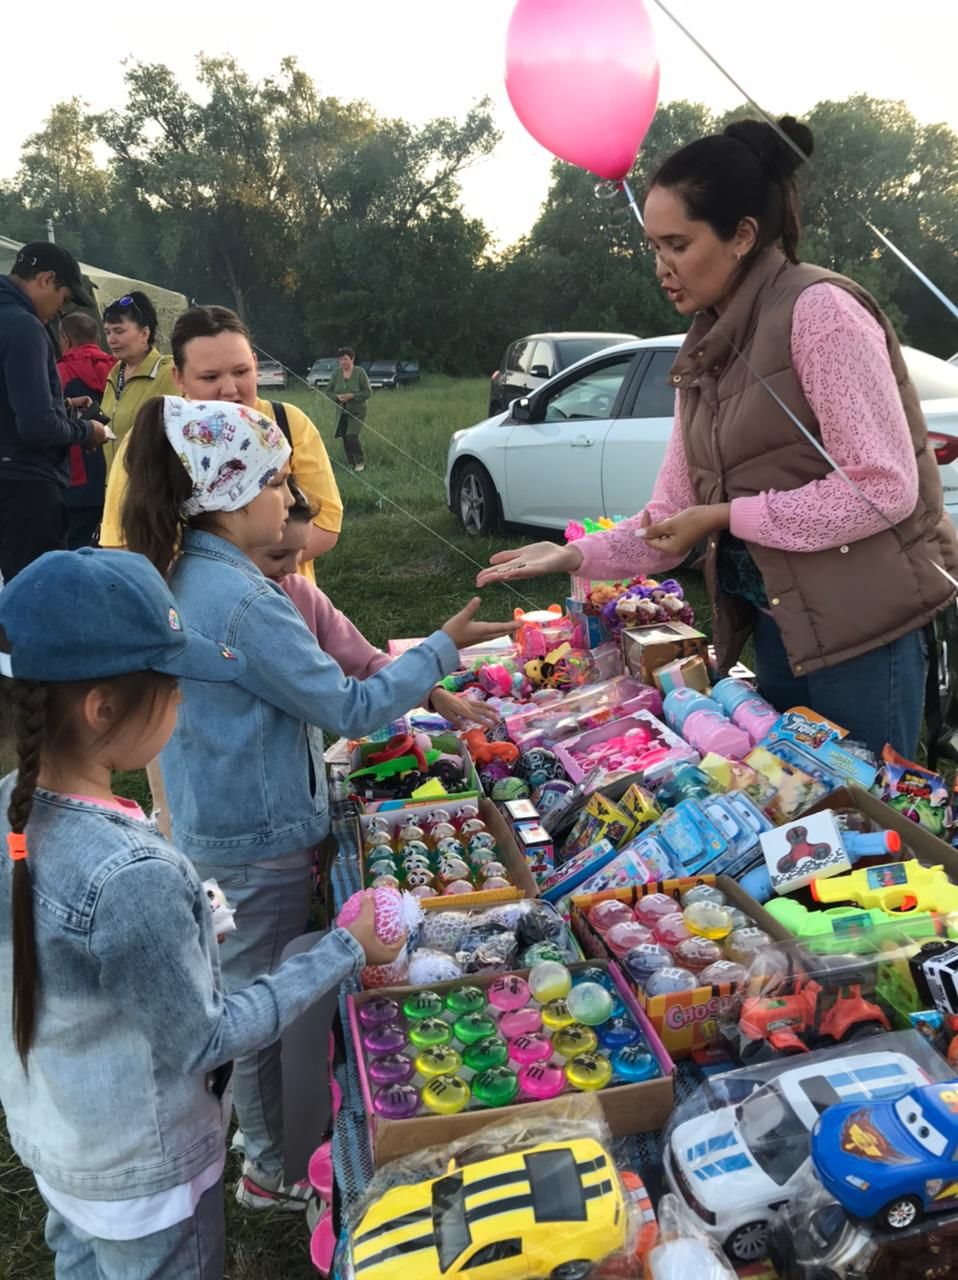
(835, 576)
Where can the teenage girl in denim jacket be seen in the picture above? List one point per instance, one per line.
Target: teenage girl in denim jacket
(244, 772)
(115, 1081)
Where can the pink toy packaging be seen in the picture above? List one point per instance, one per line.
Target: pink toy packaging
(637, 744)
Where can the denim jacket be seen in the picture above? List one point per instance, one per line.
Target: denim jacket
(242, 781)
(119, 1100)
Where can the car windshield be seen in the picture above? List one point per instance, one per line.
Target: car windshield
(383, 366)
(325, 366)
(272, 366)
(934, 379)
(773, 1133)
(449, 1225)
(912, 1116)
(572, 349)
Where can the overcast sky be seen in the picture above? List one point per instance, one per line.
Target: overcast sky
(435, 57)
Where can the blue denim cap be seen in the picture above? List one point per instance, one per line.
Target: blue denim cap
(92, 614)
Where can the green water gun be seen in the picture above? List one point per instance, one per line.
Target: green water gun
(850, 929)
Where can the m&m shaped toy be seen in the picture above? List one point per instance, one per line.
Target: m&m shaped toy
(495, 1087)
(446, 1095)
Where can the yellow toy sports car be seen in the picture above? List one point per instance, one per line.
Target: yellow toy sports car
(550, 1210)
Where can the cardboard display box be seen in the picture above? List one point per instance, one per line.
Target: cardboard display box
(523, 882)
(685, 1021)
(456, 747)
(628, 1108)
(645, 649)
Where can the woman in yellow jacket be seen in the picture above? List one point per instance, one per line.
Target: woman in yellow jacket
(140, 372)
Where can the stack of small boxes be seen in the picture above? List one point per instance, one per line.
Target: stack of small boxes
(534, 841)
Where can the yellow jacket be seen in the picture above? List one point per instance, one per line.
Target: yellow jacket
(153, 377)
(310, 467)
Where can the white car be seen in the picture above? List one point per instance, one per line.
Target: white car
(734, 1167)
(591, 440)
(270, 373)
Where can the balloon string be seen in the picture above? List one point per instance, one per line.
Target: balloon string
(930, 285)
(633, 203)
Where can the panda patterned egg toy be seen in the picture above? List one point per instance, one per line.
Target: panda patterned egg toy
(539, 766)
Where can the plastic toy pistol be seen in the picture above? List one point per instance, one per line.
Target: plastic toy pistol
(840, 929)
(900, 887)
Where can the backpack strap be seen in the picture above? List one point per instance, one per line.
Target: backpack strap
(282, 419)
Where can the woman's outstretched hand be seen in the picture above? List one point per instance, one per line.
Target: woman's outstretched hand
(680, 534)
(533, 561)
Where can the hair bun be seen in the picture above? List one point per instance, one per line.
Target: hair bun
(769, 145)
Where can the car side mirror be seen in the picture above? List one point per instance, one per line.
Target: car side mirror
(540, 371)
(521, 410)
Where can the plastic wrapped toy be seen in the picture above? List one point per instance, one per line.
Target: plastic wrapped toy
(557, 1205)
(736, 1151)
(684, 1250)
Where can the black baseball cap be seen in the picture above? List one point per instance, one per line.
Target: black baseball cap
(41, 255)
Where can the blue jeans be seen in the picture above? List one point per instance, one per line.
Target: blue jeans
(878, 697)
(194, 1249)
(272, 908)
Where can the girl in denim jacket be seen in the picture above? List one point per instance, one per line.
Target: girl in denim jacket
(115, 1080)
(244, 772)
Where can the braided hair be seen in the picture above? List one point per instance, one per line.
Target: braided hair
(29, 705)
(43, 717)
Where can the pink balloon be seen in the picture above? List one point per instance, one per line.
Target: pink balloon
(583, 77)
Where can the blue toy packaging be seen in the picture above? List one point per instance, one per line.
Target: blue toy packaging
(808, 741)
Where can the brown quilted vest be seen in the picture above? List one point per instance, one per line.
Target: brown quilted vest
(829, 605)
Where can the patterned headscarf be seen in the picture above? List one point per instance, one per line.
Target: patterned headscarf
(230, 451)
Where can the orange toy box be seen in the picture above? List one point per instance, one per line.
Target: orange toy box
(685, 1020)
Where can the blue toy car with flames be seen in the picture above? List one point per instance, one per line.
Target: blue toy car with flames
(892, 1160)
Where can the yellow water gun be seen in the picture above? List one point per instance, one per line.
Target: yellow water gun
(900, 887)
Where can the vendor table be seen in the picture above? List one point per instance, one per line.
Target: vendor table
(352, 1160)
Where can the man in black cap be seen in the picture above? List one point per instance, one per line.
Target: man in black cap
(37, 426)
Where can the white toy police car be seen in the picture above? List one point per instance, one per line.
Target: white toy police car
(734, 1167)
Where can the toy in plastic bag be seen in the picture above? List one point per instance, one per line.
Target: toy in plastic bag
(917, 793)
(558, 1165)
(683, 1249)
(735, 1151)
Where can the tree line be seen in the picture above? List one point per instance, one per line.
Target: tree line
(321, 221)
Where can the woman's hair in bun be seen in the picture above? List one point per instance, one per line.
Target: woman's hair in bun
(747, 171)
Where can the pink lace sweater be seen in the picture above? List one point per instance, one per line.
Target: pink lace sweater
(840, 356)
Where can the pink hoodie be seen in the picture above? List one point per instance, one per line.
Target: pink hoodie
(841, 360)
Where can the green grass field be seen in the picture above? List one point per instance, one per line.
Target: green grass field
(401, 568)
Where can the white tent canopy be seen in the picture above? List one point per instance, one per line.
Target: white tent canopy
(109, 286)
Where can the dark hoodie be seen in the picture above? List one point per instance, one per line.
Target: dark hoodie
(35, 429)
(83, 371)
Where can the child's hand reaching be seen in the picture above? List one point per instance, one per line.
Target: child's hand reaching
(363, 929)
(462, 711)
(464, 632)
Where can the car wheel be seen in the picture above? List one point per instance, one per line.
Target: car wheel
(900, 1214)
(863, 1031)
(571, 1270)
(477, 502)
(748, 1243)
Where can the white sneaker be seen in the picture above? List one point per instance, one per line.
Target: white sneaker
(238, 1143)
(360, 466)
(260, 1192)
